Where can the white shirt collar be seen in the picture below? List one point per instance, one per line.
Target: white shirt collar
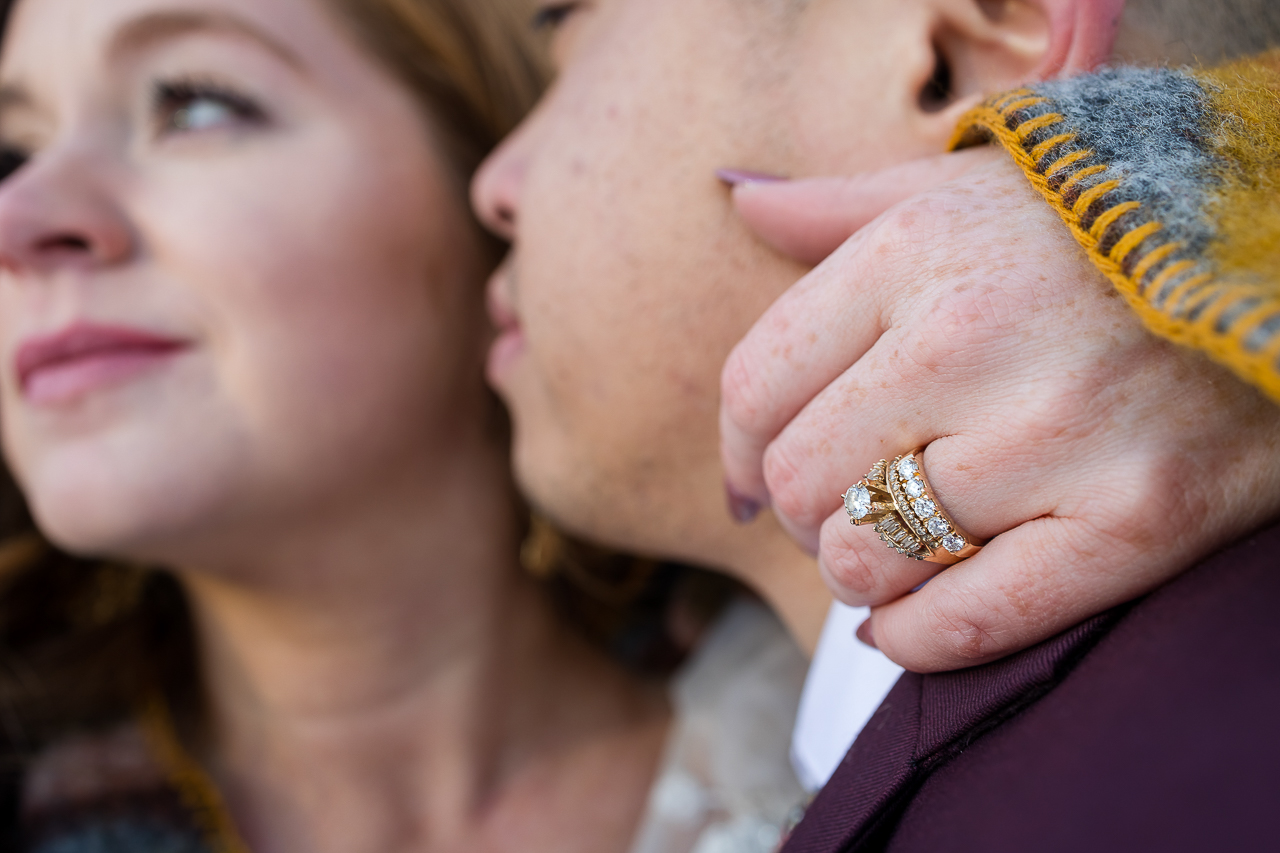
(846, 683)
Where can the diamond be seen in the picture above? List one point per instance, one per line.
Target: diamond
(923, 507)
(910, 544)
(907, 468)
(915, 487)
(857, 502)
(953, 543)
(937, 526)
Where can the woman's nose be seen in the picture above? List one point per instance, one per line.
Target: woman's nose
(55, 213)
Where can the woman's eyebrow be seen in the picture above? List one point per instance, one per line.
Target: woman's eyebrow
(145, 31)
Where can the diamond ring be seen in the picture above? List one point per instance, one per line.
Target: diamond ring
(899, 501)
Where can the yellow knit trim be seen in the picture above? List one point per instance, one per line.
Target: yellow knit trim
(1256, 316)
(1089, 196)
(1130, 241)
(1042, 150)
(1022, 104)
(1004, 100)
(1155, 256)
(1184, 290)
(1027, 128)
(1078, 176)
(1199, 329)
(1166, 275)
(1106, 220)
(1272, 351)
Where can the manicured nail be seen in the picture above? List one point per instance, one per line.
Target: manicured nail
(865, 636)
(742, 508)
(734, 177)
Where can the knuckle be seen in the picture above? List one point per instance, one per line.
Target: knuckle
(967, 313)
(789, 490)
(847, 564)
(967, 330)
(745, 397)
(963, 628)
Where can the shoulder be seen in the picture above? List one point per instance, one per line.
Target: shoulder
(1162, 737)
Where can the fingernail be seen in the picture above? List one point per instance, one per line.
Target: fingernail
(742, 508)
(865, 636)
(734, 177)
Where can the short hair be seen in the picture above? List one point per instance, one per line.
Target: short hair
(1207, 30)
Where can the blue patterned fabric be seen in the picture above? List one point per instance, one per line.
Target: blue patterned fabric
(121, 835)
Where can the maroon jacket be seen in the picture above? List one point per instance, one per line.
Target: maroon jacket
(1154, 727)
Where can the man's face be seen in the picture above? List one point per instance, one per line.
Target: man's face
(631, 278)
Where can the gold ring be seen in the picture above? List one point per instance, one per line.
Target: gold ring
(906, 513)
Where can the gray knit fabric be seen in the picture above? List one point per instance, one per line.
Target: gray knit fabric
(1151, 128)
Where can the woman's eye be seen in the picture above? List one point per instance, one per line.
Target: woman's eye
(193, 107)
(553, 16)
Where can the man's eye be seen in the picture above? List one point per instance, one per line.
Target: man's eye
(191, 107)
(553, 16)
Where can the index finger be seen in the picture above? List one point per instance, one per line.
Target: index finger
(809, 337)
(819, 327)
(809, 218)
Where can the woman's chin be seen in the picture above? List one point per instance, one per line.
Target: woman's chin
(114, 520)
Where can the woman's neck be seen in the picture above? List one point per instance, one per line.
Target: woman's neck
(391, 680)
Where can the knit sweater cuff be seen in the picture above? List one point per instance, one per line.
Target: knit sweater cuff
(1170, 181)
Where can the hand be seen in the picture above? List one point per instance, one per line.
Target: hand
(1100, 460)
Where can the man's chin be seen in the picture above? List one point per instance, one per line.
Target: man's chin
(573, 505)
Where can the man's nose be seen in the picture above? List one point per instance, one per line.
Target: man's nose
(495, 190)
(55, 213)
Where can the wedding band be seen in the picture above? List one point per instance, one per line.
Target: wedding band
(899, 501)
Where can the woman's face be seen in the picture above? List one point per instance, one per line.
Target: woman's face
(238, 286)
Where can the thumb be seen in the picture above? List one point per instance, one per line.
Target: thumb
(809, 218)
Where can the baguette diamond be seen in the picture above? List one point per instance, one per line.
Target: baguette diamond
(897, 499)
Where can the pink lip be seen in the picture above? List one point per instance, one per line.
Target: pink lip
(510, 341)
(84, 357)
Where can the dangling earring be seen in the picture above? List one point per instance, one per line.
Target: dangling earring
(543, 553)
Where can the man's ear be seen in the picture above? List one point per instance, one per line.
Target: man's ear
(985, 46)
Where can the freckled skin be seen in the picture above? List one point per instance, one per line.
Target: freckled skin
(633, 280)
(631, 273)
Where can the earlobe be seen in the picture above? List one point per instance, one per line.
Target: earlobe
(1083, 35)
